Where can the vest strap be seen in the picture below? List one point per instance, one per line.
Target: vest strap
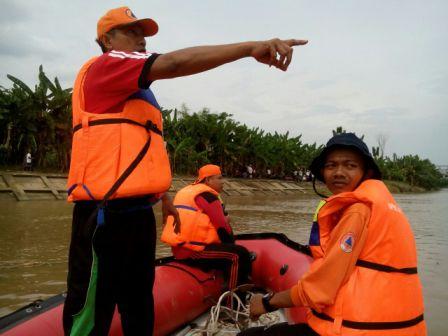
(120, 180)
(150, 126)
(192, 243)
(197, 243)
(128, 170)
(372, 325)
(85, 139)
(386, 268)
(185, 207)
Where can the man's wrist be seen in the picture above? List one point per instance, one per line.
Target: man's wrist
(251, 46)
(244, 49)
(265, 300)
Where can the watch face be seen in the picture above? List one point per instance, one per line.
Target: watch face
(268, 296)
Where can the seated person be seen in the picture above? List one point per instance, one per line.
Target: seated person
(204, 236)
(363, 280)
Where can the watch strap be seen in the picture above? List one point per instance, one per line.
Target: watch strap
(265, 300)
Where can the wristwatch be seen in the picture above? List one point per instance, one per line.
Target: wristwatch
(265, 300)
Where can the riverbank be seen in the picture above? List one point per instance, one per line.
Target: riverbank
(25, 186)
(396, 187)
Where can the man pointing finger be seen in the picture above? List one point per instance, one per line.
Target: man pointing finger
(119, 168)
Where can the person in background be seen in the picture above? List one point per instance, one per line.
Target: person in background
(363, 280)
(204, 237)
(28, 162)
(250, 171)
(295, 174)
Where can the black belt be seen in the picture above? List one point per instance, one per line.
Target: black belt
(372, 325)
(386, 268)
(150, 126)
(120, 203)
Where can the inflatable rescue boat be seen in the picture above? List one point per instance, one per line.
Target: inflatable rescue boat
(182, 293)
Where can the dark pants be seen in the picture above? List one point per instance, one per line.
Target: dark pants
(280, 329)
(233, 259)
(124, 260)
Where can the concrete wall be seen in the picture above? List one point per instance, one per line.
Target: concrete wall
(25, 186)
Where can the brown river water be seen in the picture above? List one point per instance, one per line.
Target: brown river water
(34, 238)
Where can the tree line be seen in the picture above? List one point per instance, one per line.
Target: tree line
(39, 121)
(36, 121)
(201, 137)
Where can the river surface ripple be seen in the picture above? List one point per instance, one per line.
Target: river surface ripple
(34, 238)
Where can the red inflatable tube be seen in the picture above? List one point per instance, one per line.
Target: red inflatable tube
(182, 293)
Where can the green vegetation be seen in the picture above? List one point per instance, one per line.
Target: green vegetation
(412, 170)
(39, 121)
(198, 138)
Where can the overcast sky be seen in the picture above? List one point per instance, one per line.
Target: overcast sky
(373, 67)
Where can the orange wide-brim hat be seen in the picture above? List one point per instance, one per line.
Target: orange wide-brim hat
(123, 16)
(207, 171)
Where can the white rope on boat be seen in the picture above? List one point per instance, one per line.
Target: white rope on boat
(231, 320)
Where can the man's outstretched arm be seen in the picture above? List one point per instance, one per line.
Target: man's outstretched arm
(189, 61)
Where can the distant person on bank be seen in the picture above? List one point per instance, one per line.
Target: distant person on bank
(119, 168)
(28, 162)
(204, 236)
(363, 280)
(250, 171)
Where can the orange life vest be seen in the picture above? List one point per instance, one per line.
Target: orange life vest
(196, 230)
(107, 147)
(383, 295)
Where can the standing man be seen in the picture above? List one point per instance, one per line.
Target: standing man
(119, 167)
(204, 237)
(250, 171)
(363, 280)
(28, 162)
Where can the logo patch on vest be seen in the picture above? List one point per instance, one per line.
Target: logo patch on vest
(347, 242)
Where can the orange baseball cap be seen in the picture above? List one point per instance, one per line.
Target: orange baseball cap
(207, 171)
(123, 16)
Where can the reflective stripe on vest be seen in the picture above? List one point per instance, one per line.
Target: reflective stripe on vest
(314, 236)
